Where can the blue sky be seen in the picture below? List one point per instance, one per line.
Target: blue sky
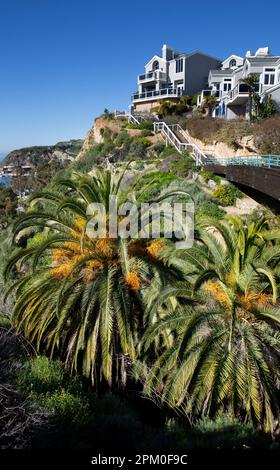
(62, 62)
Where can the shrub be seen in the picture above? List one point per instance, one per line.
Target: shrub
(122, 138)
(267, 136)
(225, 432)
(41, 375)
(182, 166)
(66, 407)
(143, 125)
(88, 160)
(146, 125)
(211, 209)
(226, 195)
(169, 151)
(142, 140)
(159, 147)
(206, 175)
(204, 129)
(5, 321)
(146, 133)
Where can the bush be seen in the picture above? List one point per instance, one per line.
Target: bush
(169, 151)
(66, 407)
(41, 375)
(224, 432)
(226, 195)
(206, 175)
(211, 209)
(142, 141)
(88, 160)
(182, 166)
(143, 125)
(267, 136)
(159, 148)
(146, 133)
(122, 138)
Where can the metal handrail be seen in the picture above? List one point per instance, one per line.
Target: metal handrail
(168, 132)
(174, 92)
(123, 114)
(258, 160)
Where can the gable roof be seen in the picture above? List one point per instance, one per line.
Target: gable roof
(233, 56)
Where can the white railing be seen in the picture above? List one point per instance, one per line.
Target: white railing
(123, 114)
(150, 76)
(169, 134)
(163, 92)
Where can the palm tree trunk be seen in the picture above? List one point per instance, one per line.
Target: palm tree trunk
(250, 105)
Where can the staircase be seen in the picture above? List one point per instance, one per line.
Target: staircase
(132, 119)
(136, 118)
(178, 138)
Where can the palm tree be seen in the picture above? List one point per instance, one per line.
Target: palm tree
(251, 82)
(80, 296)
(209, 103)
(224, 353)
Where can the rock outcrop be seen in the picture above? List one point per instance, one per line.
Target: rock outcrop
(62, 151)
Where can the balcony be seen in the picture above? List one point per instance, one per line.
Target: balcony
(157, 94)
(157, 75)
(240, 93)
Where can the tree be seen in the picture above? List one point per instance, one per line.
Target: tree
(266, 108)
(209, 103)
(224, 352)
(77, 296)
(251, 82)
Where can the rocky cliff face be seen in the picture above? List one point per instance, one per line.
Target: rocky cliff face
(246, 147)
(61, 152)
(94, 135)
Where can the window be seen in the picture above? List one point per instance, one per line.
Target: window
(155, 65)
(269, 76)
(179, 65)
(227, 84)
(232, 63)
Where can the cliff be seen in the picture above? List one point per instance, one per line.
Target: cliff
(62, 151)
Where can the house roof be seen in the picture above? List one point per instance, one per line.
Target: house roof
(269, 58)
(232, 56)
(189, 54)
(222, 71)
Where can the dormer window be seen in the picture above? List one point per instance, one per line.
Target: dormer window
(269, 76)
(232, 63)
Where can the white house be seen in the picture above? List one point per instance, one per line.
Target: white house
(172, 75)
(225, 83)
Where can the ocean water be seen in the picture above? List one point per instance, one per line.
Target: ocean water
(5, 181)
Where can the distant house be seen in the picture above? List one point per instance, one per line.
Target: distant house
(225, 83)
(171, 75)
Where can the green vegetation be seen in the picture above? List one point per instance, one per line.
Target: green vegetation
(226, 194)
(133, 341)
(8, 206)
(226, 345)
(210, 209)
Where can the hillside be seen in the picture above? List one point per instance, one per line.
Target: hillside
(62, 151)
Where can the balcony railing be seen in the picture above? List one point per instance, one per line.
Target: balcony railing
(150, 76)
(241, 89)
(154, 94)
(145, 76)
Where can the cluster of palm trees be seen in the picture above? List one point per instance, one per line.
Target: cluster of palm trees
(198, 327)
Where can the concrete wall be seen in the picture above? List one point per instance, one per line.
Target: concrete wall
(234, 112)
